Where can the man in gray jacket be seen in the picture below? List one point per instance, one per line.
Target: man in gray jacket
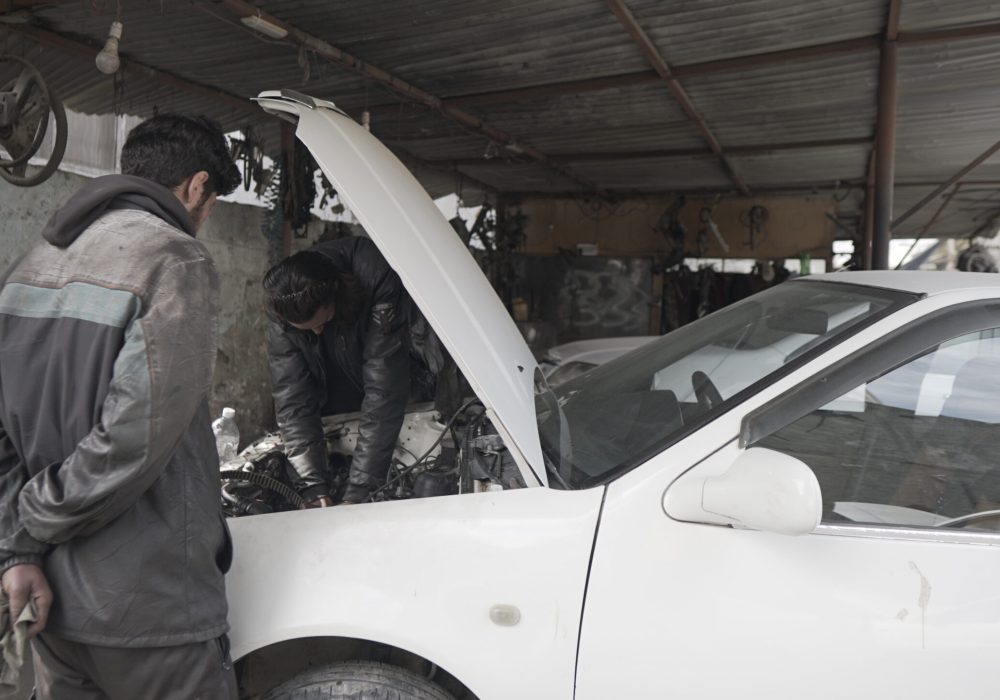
(109, 488)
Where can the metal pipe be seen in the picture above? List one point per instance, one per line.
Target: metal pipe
(885, 157)
(948, 183)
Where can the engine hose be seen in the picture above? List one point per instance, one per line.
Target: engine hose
(410, 468)
(264, 481)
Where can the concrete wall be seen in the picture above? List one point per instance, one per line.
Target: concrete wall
(233, 237)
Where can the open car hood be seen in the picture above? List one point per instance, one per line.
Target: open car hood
(438, 271)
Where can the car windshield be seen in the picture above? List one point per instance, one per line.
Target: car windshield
(599, 425)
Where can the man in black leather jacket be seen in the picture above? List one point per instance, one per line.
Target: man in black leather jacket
(339, 341)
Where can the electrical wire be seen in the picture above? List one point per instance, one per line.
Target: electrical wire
(427, 453)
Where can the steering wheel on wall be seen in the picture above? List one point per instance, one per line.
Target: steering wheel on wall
(27, 104)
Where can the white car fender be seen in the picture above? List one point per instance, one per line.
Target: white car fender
(427, 576)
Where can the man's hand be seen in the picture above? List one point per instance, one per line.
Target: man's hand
(24, 582)
(318, 502)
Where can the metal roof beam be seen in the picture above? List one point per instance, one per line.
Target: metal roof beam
(242, 9)
(662, 68)
(941, 36)
(727, 65)
(927, 227)
(611, 156)
(767, 188)
(14, 5)
(957, 177)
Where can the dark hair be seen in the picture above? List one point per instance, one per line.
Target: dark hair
(297, 287)
(170, 148)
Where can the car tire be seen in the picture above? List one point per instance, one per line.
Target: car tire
(358, 680)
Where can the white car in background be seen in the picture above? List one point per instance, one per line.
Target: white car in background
(686, 521)
(569, 360)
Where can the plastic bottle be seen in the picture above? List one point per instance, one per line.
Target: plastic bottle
(227, 435)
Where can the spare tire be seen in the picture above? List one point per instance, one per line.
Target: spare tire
(358, 680)
(976, 258)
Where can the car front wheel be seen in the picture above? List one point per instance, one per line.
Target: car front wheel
(358, 680)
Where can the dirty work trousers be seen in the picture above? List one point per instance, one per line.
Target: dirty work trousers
(66, 670)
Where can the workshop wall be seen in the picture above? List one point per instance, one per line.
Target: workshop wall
(784, 227)
(233, 237)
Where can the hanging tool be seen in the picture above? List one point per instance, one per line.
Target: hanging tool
(705, 217)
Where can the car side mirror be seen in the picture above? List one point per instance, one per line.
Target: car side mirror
(761, 490)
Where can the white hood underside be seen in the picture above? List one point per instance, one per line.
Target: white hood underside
(438, 271)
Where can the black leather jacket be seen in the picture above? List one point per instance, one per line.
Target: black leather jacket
(373, 352)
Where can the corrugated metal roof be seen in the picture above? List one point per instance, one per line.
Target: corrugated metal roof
(800, 166)
(821, 98)
(948, 102)
(465, 46)
(705, 30)
(927, 14)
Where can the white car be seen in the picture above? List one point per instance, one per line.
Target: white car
(794, 497)
(569, 360)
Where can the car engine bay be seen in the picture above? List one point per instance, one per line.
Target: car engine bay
(464, 454)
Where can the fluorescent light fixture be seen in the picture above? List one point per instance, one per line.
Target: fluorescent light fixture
(258, 23)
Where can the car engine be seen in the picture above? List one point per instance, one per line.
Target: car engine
(465, 454)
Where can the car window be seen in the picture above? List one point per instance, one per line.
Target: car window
(613, 417)
(918, 446)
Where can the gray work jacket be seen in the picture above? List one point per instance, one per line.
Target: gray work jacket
(108, 468)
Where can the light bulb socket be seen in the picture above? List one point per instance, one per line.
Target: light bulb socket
(108, 61)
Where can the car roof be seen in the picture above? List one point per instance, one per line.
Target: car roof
(921, 282)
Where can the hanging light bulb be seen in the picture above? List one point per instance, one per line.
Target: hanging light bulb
(107, 60)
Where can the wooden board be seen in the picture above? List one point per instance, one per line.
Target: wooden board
(793, 225)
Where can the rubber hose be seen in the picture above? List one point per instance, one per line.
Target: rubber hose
(266, 482)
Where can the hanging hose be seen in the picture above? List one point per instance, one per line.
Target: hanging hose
(265, 482)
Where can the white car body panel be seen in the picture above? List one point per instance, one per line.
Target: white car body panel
(672, 609)
(843, 612)
(422, 575)
(773, 616)
(438, 271)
